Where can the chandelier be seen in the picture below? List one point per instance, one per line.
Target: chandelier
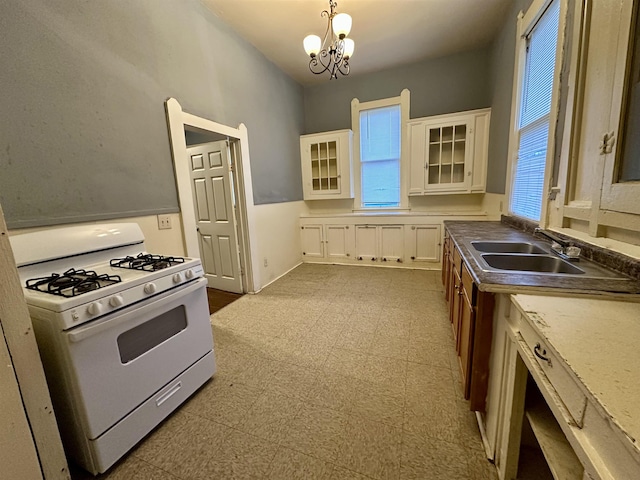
(331, 54)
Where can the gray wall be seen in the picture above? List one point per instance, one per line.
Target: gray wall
(83, 134)
(502, 65)
(444, 85)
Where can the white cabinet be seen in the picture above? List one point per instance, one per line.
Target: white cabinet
(413, 242)
(448, 153)
(327, 242)
(326, 165)
(338, 242)
(312, 241)
(379, 243)
(423, 243)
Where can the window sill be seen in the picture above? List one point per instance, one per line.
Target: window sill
(381, 210)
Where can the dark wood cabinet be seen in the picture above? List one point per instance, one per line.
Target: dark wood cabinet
(471, 317)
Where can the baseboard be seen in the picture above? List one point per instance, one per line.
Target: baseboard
(276, 279)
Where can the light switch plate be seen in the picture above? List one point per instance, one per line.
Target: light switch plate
(164, 222)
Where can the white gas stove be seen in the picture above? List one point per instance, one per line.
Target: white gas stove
(124, 335)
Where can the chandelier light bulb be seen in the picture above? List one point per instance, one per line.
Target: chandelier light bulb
(341, 25)
(312, 45)
(349, 46)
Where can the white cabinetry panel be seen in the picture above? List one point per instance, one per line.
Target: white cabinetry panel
(338, 241)
(312, 242)
(423, 243)
(366, 243)
(391, 243)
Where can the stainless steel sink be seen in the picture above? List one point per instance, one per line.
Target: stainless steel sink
(530, 263)
(508, 247)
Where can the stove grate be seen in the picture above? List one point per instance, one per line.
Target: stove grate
(72, 283)
(146, 262)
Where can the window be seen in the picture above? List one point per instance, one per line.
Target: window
(379, 171)
(380, 157)
(533, 122)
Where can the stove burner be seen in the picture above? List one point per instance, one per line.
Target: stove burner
(146, 262)
(72, 282)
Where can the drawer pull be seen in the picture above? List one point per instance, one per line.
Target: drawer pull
(541, 356)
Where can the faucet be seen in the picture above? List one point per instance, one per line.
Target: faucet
(562, 248)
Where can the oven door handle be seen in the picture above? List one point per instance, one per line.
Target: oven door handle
(90, 330)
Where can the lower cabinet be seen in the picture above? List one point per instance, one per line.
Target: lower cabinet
(379, 243)
(397, 245)
(312, 241)
(471, 317)
(338, 242)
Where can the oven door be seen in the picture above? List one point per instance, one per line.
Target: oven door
(119, 361)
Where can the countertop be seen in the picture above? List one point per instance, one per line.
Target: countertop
(510, 282)
(598, 340)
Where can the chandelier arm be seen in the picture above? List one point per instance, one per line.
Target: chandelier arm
(343, 67)
(317, 65)
(328, 32)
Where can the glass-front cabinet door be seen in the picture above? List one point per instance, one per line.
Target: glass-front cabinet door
(447, 154)
(326, 165)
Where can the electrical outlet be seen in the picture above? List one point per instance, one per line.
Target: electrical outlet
(266, 264)
(164, 222)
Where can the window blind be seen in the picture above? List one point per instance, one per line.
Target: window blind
(535, 107)
(380, 157)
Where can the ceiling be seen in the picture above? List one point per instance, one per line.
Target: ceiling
(387, 33)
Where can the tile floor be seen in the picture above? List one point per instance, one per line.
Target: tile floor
(331, 372)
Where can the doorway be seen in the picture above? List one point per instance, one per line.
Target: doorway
(236, 234)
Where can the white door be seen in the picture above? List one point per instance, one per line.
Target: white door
(215, 215)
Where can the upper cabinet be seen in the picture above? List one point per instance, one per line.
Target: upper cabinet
(448, 153)
(326, 165)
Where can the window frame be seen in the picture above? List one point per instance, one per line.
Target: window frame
(403, 100)
(526, 22)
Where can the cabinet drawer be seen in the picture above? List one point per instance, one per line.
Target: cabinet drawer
(565, 386)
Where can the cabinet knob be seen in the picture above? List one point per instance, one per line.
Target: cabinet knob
(373, 259)
(304, 253)
(413, 258)
(384, 259)
(399, 260)
(359, 258)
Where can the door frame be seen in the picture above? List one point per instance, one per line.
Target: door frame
(176, 121)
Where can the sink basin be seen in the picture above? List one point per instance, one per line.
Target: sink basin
(530, 263)
(508, 247)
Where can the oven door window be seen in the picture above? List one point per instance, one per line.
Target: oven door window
(146, 336)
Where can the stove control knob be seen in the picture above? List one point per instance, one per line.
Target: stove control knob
(116, 301)
(189, 274)
(95, 308)
(150, 288)
(177, 278)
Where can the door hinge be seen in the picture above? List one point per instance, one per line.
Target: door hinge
(607, 143)
(227, 142)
